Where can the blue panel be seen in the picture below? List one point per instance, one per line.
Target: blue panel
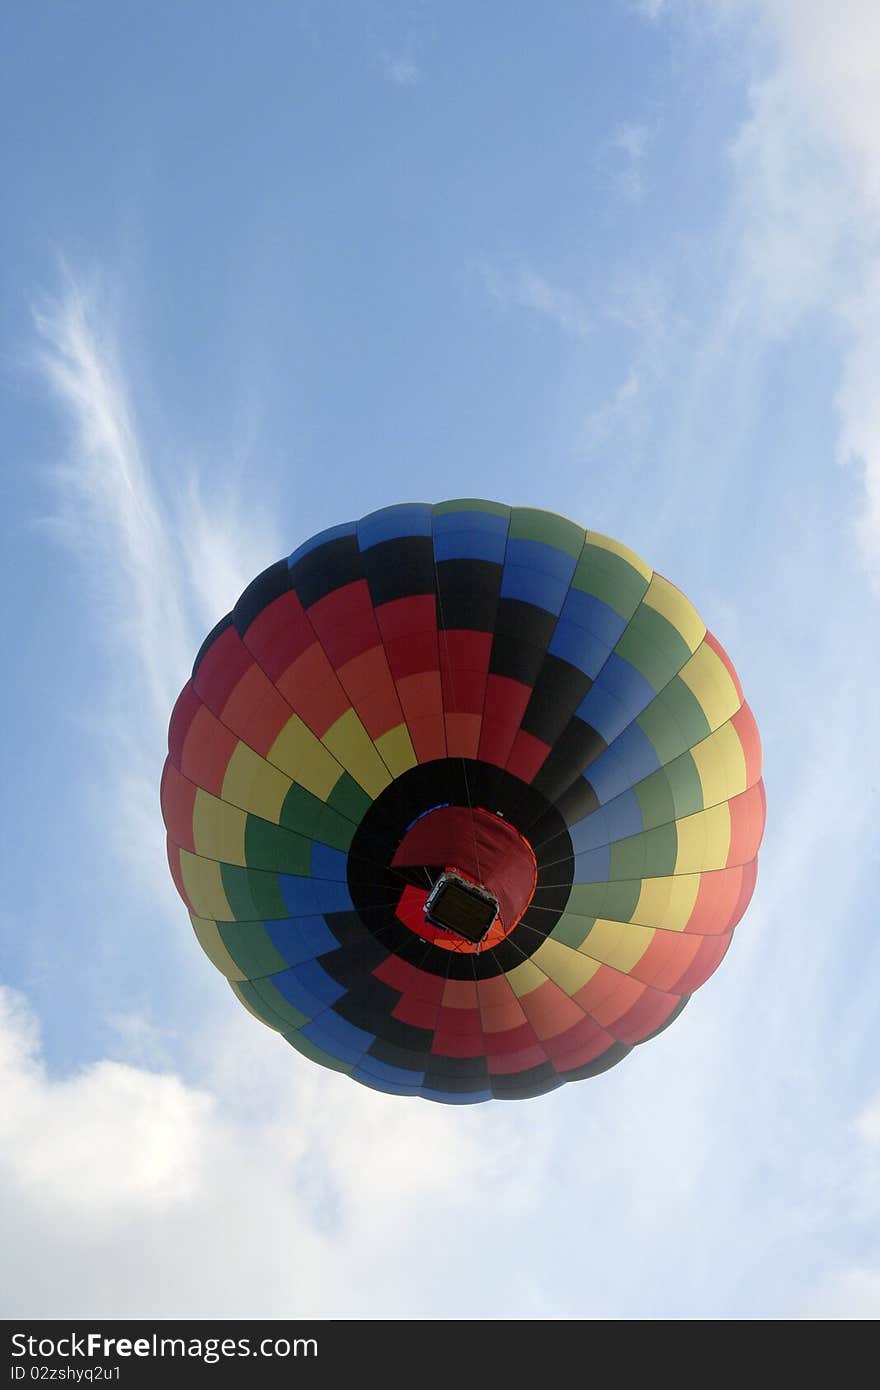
(408, 519)
(390, 1088)
(624, 816)
(533, 586)
(630, 758)
(590, 833)
(349, 528)
(590, 613)
(306, 896)
(301, 938)
(297, 993)
(337, 1036)
(592, 867)
(622, 679)
(372, 1069)
(536, 555)
(457, 1097)
(328, 863)
(315, 979)
(579, 647)
(470, 545)
(605, 712)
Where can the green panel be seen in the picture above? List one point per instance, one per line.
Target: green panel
(674, 721)
(571, 930)
(616, 901)
(251, 948)
(252, 894)
(349, 799)
(470, 504)
(670, 792)
(309, 1050)
(308, 815)
(653, 646)
(530, 524)
(610, 579)
(268, 1004)
(268, 846)
(655, 799)
(651, 854)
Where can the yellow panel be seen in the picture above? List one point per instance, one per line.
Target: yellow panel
(350, 743)
(254, 784)
(621, 944)
(667, 903)
(524, 978)
(211, 942)
(606, 543)
(703, 840)
(676, 609)
(721, 763)
(709, 679)
(204, 887)
(567, 967)
(304, 758)
(396, 750)
(218, 829)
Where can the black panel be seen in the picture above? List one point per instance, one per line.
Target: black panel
(515, 618)
(326, 568)
(516, 659)
(395, 1056)
(399, 568)
(392, 1031)
(559, 690)
(269, 585)
(352, 966)
(444, 1070)
(468, 593)
(577, 802)
(534, 1082)
(574, 749)
(209, 641)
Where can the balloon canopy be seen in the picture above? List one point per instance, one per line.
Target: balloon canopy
(464, 800)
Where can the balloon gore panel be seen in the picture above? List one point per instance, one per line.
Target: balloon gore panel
(464, 800)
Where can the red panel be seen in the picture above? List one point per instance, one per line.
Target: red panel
(505, 705)
(747, 814)
(550, 1010)
(279, 634)
(407, 656)
(221, 668)
(209, 746)
(464, 665)
(749, 877)
(507, 1040)
(582, 1054)
(667, 958)
(418, 984)
(711, 640)
(460, 994)
(598, 989)
(585, 1038)
(174, 866)
(186, 707)
(345, 622)
(626, 993)
(507, 1063)
(255, 711)
(647, 1015)
(403, 616)
(747, 733)
(711, 952)
(462, 735)
(527, 756)
(368, 685)
(416, 1011)
(311, 688)
(717, 897)
(177, 797)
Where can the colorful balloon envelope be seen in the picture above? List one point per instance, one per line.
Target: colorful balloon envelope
(464, 800)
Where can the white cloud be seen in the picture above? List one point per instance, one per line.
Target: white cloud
(808, 161)
(523, 287)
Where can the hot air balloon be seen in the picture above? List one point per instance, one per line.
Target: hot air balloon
(464, 800)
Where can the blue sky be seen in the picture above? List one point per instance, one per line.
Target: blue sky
(265, 269)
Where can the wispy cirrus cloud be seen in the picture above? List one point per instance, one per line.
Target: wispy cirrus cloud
(523, 287)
